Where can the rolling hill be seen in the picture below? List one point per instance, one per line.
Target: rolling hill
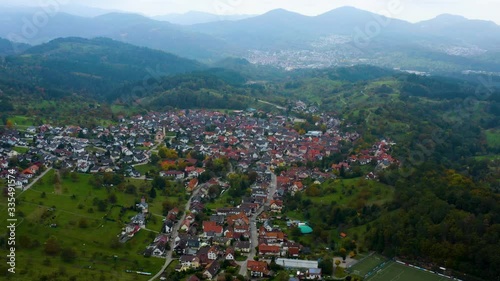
(93, 67)
(10, 48)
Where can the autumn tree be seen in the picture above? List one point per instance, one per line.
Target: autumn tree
(167, 153)
(52, 246)
(9, 124)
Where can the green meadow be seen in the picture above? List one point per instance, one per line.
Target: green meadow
(64, 234)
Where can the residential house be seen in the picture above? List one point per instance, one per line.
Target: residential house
(143, 206)
(139, 219)
(258, 269)
(313, 274)
(202, 254)
(168, 226)
(185, 225)
(188, 262)
(212, 270)
(211, 228)
(193, 183)
(242, 246)
(159, 245)
(276, 206)
(229, 254)
(267, 250)
(178, 175)
(213, 253)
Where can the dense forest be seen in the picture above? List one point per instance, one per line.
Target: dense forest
(93, 67)
(443, 217)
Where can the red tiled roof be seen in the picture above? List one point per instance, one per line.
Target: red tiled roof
(211, 226)
(263, 248)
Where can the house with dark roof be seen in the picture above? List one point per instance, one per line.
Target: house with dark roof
(212, 270)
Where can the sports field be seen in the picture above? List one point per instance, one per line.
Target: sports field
(367, 264)
(398, 272)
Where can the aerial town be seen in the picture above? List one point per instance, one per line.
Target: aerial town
(241, 234)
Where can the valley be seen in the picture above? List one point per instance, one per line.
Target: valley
(275, 146)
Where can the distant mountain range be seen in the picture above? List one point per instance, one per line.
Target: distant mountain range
(195, 17)
(342, 36)
(129, 28)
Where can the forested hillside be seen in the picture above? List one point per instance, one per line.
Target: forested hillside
(91, 67)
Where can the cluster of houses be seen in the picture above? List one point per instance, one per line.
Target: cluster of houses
(8, 140)
(207, 244)
(136, 223)
(79, 149)
(259, 144)
(377, 154)
(252, 142)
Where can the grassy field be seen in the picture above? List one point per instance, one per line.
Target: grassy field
(390, 271)
(488, 157)
(70, 206)
(351, 191)
(367, 264)
(22, 121)
(222, 201)
(493, 138)
(21, 150)
(395, 271)
(145, 168)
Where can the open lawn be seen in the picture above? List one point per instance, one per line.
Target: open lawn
(352, 192)
(493, 138)
(399, 272)
(145, 168)
(69, 213)
(21, 150)
(21, 122)
(222, 201)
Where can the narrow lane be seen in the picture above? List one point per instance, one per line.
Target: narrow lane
(173, 235)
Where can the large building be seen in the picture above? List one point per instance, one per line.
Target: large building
(297, 264)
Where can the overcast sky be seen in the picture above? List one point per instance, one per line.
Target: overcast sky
(412, 10)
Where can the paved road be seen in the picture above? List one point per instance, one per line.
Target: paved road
(34, 181)
(275, 105)
(272, 188)
(254, 237)
(173, 235)
(254, 241)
